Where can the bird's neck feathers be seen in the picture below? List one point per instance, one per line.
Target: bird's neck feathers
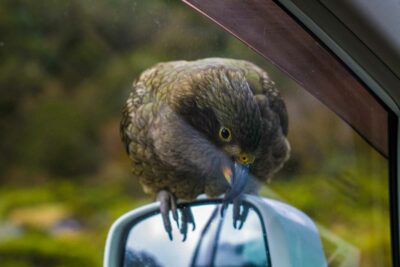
(184, 148)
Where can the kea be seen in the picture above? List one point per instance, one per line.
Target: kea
(212, 126)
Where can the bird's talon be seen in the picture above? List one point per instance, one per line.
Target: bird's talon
(174, 209)
(223, 208)
(184, 238)
(167, 203)
(170, 235)
(190, 218)
(175, 215)
(240, 212)
(186, 218)
(241, 225)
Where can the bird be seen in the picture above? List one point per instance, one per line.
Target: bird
(214, 126)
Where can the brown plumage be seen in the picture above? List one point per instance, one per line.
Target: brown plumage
(172, 117)
(185, 122)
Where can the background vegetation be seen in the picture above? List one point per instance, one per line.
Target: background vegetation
(65, 71)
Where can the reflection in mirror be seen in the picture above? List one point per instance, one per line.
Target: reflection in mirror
(214, 242)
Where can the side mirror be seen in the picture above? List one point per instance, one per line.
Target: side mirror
(274, 234)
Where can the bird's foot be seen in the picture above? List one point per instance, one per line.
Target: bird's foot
(186, 219)
(168, 203)
(240, 212)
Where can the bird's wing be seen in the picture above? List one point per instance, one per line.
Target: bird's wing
(124, 124)
(136, 114)
(142, 107)
(275, 102)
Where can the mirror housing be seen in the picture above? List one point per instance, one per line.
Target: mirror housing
(292, 237)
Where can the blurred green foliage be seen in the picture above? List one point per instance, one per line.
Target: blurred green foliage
(65, 71)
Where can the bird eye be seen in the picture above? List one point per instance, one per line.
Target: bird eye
(225, 134)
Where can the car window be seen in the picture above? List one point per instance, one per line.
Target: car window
(339, 180)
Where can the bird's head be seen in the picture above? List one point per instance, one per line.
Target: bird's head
(222, 107)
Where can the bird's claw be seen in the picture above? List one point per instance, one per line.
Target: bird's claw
(186, 219)
(240, 212)
(168, 203)
(223, 208)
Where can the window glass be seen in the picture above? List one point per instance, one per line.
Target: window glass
(66, 69)
(339, 180)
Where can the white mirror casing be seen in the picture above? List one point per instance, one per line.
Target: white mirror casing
(293, 238)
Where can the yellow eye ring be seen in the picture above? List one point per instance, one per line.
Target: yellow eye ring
(225, 134)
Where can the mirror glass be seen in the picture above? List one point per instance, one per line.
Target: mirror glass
(214, 242)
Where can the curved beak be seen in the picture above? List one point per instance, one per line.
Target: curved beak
(237, 179)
